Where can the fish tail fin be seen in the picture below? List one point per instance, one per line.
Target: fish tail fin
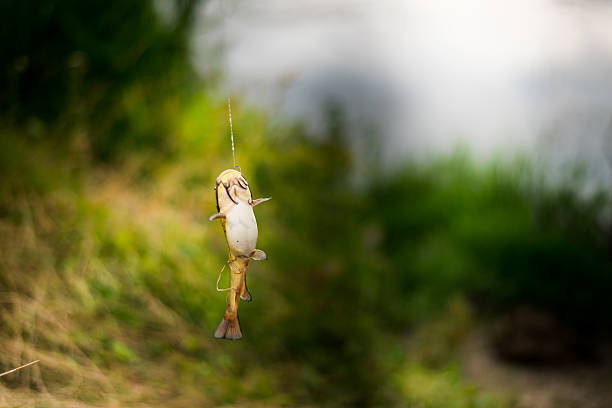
(228, 329)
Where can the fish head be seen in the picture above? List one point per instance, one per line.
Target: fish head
(231, 188)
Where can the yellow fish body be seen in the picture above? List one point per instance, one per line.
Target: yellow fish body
(235, 210)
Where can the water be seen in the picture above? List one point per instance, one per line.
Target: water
(529, 76)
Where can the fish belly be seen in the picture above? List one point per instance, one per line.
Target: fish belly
(241, 229)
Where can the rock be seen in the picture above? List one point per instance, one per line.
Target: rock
(531, 335)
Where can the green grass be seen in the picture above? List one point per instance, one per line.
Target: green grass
(108, 270)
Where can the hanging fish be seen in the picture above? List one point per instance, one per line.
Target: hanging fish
(235, 205)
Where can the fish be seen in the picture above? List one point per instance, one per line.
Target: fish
(235, 210)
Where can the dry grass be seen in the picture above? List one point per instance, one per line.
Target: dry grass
(78, 278)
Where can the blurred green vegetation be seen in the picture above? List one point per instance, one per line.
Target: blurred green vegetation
(112, 70)
(109, 148)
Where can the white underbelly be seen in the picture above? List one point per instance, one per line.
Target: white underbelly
(241, 229)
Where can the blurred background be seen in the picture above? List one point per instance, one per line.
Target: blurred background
(440, 231)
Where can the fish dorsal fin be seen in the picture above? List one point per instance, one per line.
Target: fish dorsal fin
(258, 255)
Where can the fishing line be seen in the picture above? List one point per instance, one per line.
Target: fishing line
(224, 289)
(219, 278)
(229, 109)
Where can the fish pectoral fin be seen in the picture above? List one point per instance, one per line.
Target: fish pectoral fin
(215, 216)
(258, 255)
(259, 201)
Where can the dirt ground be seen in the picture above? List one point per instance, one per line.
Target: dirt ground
(576, 385)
